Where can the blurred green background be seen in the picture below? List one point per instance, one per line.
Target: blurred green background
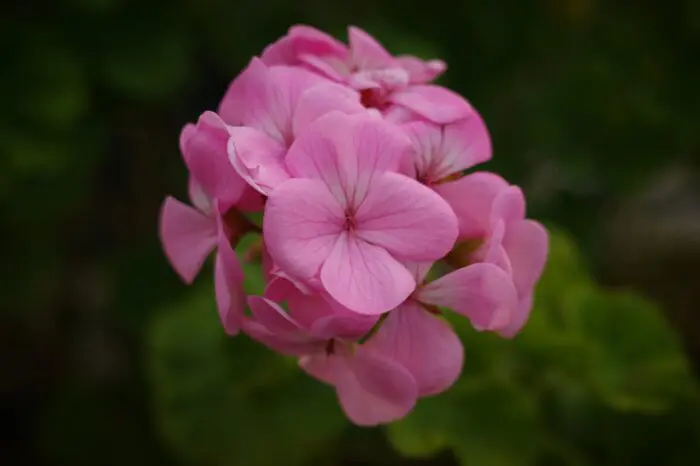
(107, 359)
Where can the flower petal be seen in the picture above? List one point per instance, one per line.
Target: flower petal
(424, 344)
(346, 151)
(257, 158)
(322, 99)
(434, 103)
(228, 286)
(301, 223)
(364, 277)
(264, 98)
(526, 245)
(207, 159)
(508, 206)
(373, 389)
(471, 197)
(302, 40)
(366, 52)
(421, 71)
(522, 313)
(406, 218)
(446, 150)
(188, 237)
(482, 292)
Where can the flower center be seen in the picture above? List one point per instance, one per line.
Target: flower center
(350, 224)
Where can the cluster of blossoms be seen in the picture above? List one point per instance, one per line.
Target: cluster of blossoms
(356, 163)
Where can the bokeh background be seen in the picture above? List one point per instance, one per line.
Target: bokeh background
(107, 359)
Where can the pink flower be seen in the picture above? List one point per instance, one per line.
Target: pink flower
(445, 151)
(348, 218)
(190, 234)
(414, 336)
(492, 212)
(267, 108)
(372, 388)
(386, 81)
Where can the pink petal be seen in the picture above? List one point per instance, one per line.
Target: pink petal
(446, 150)
(188, 237)
(373, 389)
(364, 277)
(228, 285)
(200, 200)
(526, 245)
(424, 344)
(302, 40)
(366, 52)
(386, 79)
(508, 206)
(207, 159)
(272, 317)
(421, 71)
(257, 158)
(346, 151)
(419, 270)
(274, 328)
(323, 366)
(482, 292)
(471, 197)
(264, 98)
(407, 218)
(326, 318)
(331, 67)
(187, 131)
(520, 318)
(322, 99)
(434, 103)
(301, 223)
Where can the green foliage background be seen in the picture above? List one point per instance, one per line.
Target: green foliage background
(109, 359)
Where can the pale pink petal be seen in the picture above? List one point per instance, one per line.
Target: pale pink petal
(188, 237)
(323, 366)
(434, 103)
(386, 79)
(423, 343)
(364, 277)
(407, 218)
(508, 206)
(228, 286)
(264, 98)
(187, 131)
(302, 40)
(482, 292)
(526, 245)
(258, 158)
(419, 270)
(421, 71)
(366, 52)
(326, 318)
(374, 389)
(322, 99)
(198, 197)
(301, 223)
(446, 150)
(522, 313)
(331, 67)
(346, 151)
(207, 159)
(290, 345)
(471, 197)
(273, 317)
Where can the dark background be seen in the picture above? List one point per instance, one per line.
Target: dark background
(107, 359)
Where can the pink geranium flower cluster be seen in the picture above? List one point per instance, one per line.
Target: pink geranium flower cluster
(357, 164)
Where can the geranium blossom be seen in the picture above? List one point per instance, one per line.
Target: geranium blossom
(349, 163)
